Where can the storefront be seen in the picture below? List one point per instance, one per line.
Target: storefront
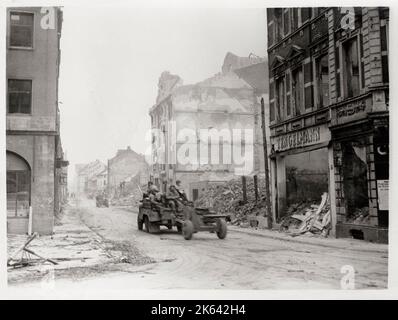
(300, 168)
(361, 160)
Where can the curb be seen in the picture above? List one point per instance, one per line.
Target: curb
(305, 241)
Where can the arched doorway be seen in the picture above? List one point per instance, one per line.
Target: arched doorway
(18, 186)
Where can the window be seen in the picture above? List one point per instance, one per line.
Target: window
(271, 31)
(21, 29)
(351, 67)
(384, 49)
(280, 89)
(322, 81)
(195, 194)
(305, 14)
(288, 96)
(308, 85)
(279, 25)
(297, 88)
(286, 21)
(337, 66)
(18, 186)
(294, 18)
(271, 101)
(19, 96)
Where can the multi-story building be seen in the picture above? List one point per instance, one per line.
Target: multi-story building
(221, 105)
(328, 71)
(86, 182)
(32, 119)
(126, 164)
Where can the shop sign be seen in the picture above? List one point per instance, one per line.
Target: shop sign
(302, 138)
(382, 191)
(351, 109)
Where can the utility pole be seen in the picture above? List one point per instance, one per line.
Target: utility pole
(255, 187)
(267, 191)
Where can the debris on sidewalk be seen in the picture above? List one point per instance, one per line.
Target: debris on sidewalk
(308, 219)
(26, 259)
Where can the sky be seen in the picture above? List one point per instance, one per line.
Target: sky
(112, 58)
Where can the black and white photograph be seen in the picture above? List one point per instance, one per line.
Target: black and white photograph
(173, 148)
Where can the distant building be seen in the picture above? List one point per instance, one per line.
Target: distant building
(224, 102)
(35, 165)
(86, 181)
(329, 114)
(126, 164)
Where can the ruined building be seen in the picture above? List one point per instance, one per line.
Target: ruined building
(126, 166)
(228, 101)
(329, 114)
(35, 178)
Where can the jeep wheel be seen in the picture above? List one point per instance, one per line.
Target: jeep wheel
(221, 227)
(187, 230)
(140, 223)
(146, 223)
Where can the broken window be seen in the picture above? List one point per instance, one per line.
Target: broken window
(355, 183)
(21, 29)
(307, 177)
(351, 67)
(19, 96)
(322, 80)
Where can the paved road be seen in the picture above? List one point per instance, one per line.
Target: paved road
(241, 261)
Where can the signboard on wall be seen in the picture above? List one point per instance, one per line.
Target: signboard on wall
(382, 191)
(301, 138)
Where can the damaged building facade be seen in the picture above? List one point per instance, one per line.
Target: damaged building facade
(125, 171)
(223, 102)
(329, 114)
(36, 173)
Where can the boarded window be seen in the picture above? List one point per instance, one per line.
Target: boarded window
(21, 29)
(19, 96)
